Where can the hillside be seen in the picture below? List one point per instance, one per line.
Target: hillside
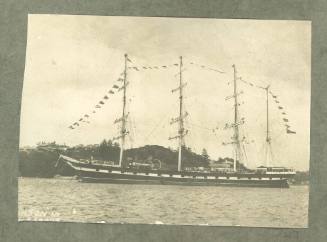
(40, 161)
(167, 156)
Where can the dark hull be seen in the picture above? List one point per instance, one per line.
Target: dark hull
(231, 183)
(122, 178)
(106, 174)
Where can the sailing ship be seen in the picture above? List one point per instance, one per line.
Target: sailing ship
(264, 176)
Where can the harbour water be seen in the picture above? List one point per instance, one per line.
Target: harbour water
(59, 199)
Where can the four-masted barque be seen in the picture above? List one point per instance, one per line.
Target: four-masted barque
(266, 176)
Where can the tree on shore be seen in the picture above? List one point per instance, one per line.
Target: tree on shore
(204, 154)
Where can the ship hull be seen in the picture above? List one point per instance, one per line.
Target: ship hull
(94, 173)
(283, 183)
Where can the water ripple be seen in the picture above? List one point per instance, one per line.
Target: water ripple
(69, 200)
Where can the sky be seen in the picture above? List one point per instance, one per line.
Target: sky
(72, 61)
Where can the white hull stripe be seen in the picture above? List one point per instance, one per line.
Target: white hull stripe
(162, 175)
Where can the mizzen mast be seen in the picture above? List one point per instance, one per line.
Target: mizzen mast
(237, 144)
(180, 119)
(268, 138)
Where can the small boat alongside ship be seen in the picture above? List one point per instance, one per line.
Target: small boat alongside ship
(139, 173)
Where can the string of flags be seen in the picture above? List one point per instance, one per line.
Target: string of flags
(284, 114)
(250, 83)
(275, 98)
(157, 67)
(118, 86)
(164, 67)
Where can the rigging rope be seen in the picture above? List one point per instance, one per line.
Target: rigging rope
(206, 67)
(117, 86)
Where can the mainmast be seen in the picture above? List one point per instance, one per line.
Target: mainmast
(123, 131)
(180, 119)
(237, 121)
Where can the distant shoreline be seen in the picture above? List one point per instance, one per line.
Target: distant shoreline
(41, 162)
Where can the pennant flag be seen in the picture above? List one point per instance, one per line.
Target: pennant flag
(86, 116)
(105, 97)
(115, 86)
(290, 131)
(101, 102)
(98, 106)
(280, 107)
(129, 60)
(111, 92)
(285, 119)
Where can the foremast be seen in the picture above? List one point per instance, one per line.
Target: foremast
(180, 119)
(123, 118)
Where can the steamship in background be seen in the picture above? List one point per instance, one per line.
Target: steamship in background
(134, 172)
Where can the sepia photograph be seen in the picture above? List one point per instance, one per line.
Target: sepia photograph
(161, 120)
